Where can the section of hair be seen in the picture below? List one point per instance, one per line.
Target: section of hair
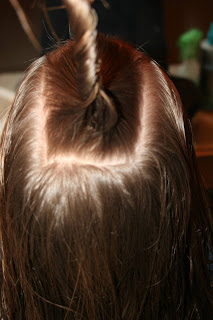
(72, 126)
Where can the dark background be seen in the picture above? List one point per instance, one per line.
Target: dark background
(17, 51)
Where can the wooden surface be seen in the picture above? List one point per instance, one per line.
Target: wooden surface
(202, 125)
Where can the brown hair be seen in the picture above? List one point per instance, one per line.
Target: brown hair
(102, 213)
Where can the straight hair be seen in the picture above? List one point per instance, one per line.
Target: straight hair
(102, 212)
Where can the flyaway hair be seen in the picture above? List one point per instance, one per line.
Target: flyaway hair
(102, 214)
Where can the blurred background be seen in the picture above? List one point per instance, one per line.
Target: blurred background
(153, 25)
(178, 17)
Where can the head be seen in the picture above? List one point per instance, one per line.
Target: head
(102, 214)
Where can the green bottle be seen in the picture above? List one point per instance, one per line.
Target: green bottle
(189, 46)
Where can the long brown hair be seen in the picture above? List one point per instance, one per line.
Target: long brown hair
(102, 212)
